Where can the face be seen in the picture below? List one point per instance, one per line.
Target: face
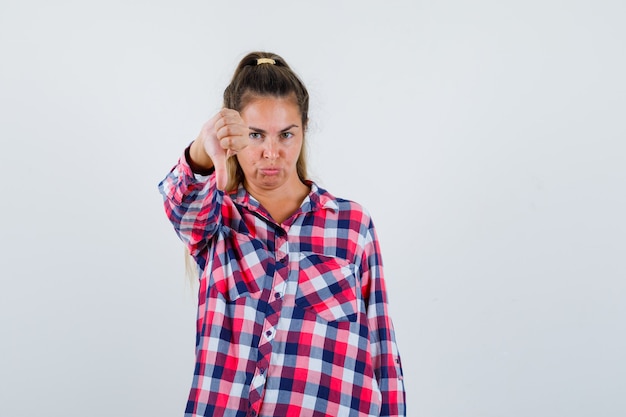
(276, 135)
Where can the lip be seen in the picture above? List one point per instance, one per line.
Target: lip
(269, 171)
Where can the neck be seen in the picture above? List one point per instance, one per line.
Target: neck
(281, 203)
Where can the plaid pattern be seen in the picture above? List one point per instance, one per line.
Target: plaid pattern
(292, 318)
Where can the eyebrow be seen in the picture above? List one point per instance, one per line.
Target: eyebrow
(258, 130)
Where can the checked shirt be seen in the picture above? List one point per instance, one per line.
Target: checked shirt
(292, 317)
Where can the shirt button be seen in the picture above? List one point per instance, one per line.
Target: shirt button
(283, 260)
(277, 295)
(262, 371)
(268, 333)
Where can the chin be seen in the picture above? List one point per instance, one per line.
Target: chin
(271, 184)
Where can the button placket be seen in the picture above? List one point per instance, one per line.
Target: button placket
(282, 248)
(279, 290)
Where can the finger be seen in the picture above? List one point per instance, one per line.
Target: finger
(233, 144)
(230, 153)
(227, 117)
(231, 129)
(225, 112)
(221, 173)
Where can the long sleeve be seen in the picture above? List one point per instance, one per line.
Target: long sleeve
(384, 350)
(192, 205)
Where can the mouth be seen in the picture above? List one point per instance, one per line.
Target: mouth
(269, 171)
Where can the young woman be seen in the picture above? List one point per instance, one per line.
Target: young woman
(292, 309)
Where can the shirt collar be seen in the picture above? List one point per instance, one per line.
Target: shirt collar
(318, 198)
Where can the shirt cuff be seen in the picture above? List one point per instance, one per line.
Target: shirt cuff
(200, 175)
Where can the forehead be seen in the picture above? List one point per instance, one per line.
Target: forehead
(270, 111)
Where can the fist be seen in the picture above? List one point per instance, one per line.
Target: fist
(221, 137)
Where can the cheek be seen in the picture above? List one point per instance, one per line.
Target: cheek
(245, 158)
(295, 151)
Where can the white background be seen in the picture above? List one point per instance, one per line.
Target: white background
(486, 138)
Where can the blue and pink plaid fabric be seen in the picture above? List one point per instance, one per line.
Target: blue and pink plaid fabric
(292, 318)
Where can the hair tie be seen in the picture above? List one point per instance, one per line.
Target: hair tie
(260, 61)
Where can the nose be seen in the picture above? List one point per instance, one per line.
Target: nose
(270, 150)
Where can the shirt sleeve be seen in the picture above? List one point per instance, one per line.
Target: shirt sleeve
(193, 205)
(384, 350)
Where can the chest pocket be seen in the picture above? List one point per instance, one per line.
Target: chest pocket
(239, 266)
(327, 286)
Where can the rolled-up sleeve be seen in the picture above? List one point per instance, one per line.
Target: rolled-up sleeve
(192, 204)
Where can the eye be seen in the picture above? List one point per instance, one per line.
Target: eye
(255, 135)
(286, 135)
